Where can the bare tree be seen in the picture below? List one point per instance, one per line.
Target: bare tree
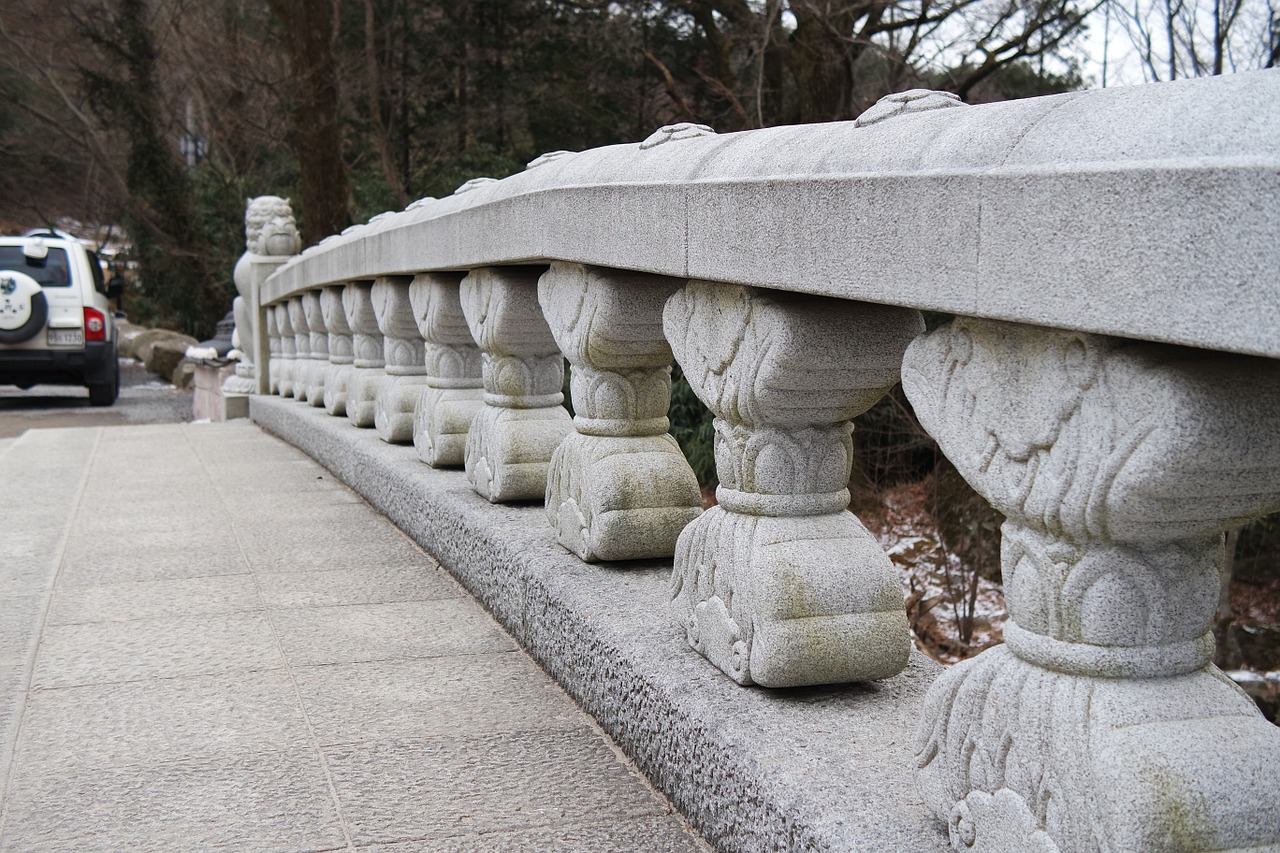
(1174, 39)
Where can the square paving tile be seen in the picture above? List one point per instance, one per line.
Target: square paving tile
(399, 631)
(158, 720)
(468, 694)
(86, 568)
(644, 835)
(373, 585)
(122, 602)
(272, 803)
(335, 544)
(20, 618)
(106, 652)
(484, 784)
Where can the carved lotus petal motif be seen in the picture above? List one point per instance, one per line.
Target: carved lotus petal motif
(474, 184)
(683, 130)
(910, 101)
(549, 157)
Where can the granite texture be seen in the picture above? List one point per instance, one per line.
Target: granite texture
(293, 707)
(817, 768)
(1101, 724)
(1151, 209)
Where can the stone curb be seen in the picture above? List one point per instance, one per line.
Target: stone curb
(822, 769)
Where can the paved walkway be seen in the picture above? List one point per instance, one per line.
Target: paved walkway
(206, 643)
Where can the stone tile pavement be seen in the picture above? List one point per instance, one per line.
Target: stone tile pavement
(208, 643)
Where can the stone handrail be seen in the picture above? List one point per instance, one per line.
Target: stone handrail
(1111, 384)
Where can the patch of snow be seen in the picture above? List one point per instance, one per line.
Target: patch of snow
(201, 352)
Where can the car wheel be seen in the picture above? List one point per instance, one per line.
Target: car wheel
(23, 309)
(105, 394)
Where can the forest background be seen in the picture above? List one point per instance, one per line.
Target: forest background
(151, 121)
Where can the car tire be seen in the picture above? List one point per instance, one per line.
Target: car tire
(105, 393)
(39, 308)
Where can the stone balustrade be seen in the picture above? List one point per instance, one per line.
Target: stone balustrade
(1110, 382)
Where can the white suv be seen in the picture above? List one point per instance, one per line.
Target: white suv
(56, 326)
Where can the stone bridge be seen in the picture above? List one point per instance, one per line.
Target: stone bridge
(1110, 382)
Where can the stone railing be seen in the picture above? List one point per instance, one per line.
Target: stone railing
(1110, 383)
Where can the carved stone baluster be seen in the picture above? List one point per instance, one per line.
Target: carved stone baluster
(368, 370)
(1101, 724)
(288, 348)
(455, 385)
(513, 436)
(274, 346)
(403, 350)
(319, 347)
(619, 488)
(780, 585)
(301, 349)
(340, 350)
(366, 343)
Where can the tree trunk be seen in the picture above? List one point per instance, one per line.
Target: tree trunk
(317, 135)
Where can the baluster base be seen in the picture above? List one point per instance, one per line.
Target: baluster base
(316, 382)
(394, 407)
(1015, 758)
(508, 451)
(362, 395)
(786, 602)
(620, 498)
(335, 389)
(441, 420)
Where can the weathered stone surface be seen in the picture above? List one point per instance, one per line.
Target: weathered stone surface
(618, 488)
(366, 343)
(164, 355)
(288, 348)
(318, 346)
(823, 769)
(341, 353)
(301, 349)
(454, 389)
(144, 341)
(780, 585)
(945, 210)
(164, 716)
(1101, 724)
(271, 238)
(512, 438)
(184, 375)
(403, 351)
(273, 345)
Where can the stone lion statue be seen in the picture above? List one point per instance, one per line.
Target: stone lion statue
(269, 227)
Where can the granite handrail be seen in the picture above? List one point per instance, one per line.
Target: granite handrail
(1110, 383)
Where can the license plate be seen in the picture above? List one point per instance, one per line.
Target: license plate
(66, 337)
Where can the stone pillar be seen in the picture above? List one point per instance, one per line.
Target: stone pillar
(301, 349)
(780, 585)
(619, 488)
(271, 238)
(513, 436)
(288, 348)
(243, 381)
(319, 347)
(403, 351)
(454, 389)
(340, 350)
(274, 346)
(366, 343)
(1101, 724)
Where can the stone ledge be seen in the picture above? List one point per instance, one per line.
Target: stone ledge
(822, 769)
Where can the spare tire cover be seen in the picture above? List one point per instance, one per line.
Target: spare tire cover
(17, 293)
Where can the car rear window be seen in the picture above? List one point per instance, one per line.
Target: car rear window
(53, 271)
